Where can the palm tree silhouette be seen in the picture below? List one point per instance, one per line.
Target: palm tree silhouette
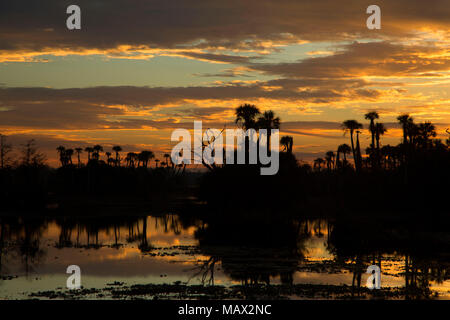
(287, 143)
(130, 159)
(117, 149)
(62, 155)
(268, 121)
(246, 119)
(318, 163)
(344, 149)
(167, 157)
(380, 130)
(329, 158)
(372, 116)
(351, 126)
(405, 120)
(79, 151)
(89, 150)
(425, 132)
(145, 157)
(97, 149)
(108, 157)
(68, 155)
(246, 116)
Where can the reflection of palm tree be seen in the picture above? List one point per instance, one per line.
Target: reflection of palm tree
(352, 126)
(144, 245)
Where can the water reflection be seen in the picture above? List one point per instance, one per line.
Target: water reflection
(213, 251)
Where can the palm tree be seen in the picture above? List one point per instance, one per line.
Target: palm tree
(79, 151)
(97, 149)
(145, 157)
(246, 116)
(89, 150)
(380, 130)
(62, 155)
(268, 121)
(131, 157)
(246, 119)
(425, 132)
(405, 120)
(117, 149)
(372, 116)
(329, 158)
(108, 156)
(351, 126)
(287, 142)
(344, 149)
(167, 157)
(318, 163)
(68, 155)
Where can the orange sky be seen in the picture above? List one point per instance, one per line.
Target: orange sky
(134, 73)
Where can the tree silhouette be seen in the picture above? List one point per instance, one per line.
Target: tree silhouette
(351, 126)
(246, 116)
(372, 116)
(144, 157)
(117, 150)
(329, 158)
(268, 121)
(405, 120)
(31, 156)
(79, 151)
(344, 149)
(97, 149)
(287, 143)
(62, 155)
(5, 149)
(89, 150)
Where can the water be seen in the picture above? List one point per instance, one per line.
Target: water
(121, 252)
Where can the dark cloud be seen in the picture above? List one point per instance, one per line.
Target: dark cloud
(35, 25)
(109, 107)
(365, 59)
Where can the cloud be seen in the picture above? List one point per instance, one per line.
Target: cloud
(383, 59)
(214, 25)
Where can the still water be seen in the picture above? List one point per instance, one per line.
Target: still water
(111, 251)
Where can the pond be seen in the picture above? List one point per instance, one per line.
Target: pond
(167, 257)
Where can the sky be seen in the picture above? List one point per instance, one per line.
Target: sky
(137, 69)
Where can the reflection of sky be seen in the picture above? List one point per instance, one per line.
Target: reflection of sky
(127, 264)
